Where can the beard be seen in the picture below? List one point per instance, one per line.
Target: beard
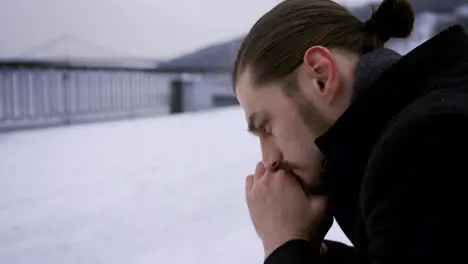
(316, 125)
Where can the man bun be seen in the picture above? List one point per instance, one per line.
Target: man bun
(392, 19)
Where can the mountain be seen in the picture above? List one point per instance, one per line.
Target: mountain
(218, 57)
(431, 17)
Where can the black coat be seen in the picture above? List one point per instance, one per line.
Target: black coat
(397, 163)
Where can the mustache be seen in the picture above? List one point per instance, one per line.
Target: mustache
(317, 188)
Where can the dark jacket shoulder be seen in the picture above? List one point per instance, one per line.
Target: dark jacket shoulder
(436, 119)
(412, 184)
(413, 191)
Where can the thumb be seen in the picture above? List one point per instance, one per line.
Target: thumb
(249, 181)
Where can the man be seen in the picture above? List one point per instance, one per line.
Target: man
(393, 132)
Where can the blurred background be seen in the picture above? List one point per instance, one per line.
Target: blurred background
(121, 140)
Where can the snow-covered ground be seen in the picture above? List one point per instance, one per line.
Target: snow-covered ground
(160, 190)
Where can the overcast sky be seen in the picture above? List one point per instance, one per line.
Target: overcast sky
(145, 28)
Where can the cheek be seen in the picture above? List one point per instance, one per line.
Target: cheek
(292, 130)
(285, 132)
(293, 138)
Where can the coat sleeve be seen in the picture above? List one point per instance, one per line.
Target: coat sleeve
(414, 196)
(303, 252)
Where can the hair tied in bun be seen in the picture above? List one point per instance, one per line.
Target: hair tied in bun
(392, 19)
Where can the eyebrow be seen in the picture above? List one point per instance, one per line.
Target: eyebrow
(255, 121)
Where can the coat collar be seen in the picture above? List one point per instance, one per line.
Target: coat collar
(355, 132)
(348, 144)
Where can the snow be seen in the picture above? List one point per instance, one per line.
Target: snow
(156, 190)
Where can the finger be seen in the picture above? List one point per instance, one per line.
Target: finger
(249, 182)
(285, 180)
(259, 170)
(285, 175)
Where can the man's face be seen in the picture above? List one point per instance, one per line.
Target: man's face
(281, 124)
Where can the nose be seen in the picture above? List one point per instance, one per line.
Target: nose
(270, 151)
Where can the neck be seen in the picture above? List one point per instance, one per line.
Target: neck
(347, 66)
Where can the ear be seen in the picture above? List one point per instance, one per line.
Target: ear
(320, 65)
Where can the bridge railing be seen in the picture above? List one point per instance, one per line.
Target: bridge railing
(42, 94)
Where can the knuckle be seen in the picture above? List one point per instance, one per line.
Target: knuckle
(260, 169)
(260, 165)
(266, 179)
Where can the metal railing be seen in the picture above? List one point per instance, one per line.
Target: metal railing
(45, 94)
(31, 97)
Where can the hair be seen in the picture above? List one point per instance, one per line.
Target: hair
(276, 44)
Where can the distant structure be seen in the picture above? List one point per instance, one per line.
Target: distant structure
(40, 88)
(207, 91)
